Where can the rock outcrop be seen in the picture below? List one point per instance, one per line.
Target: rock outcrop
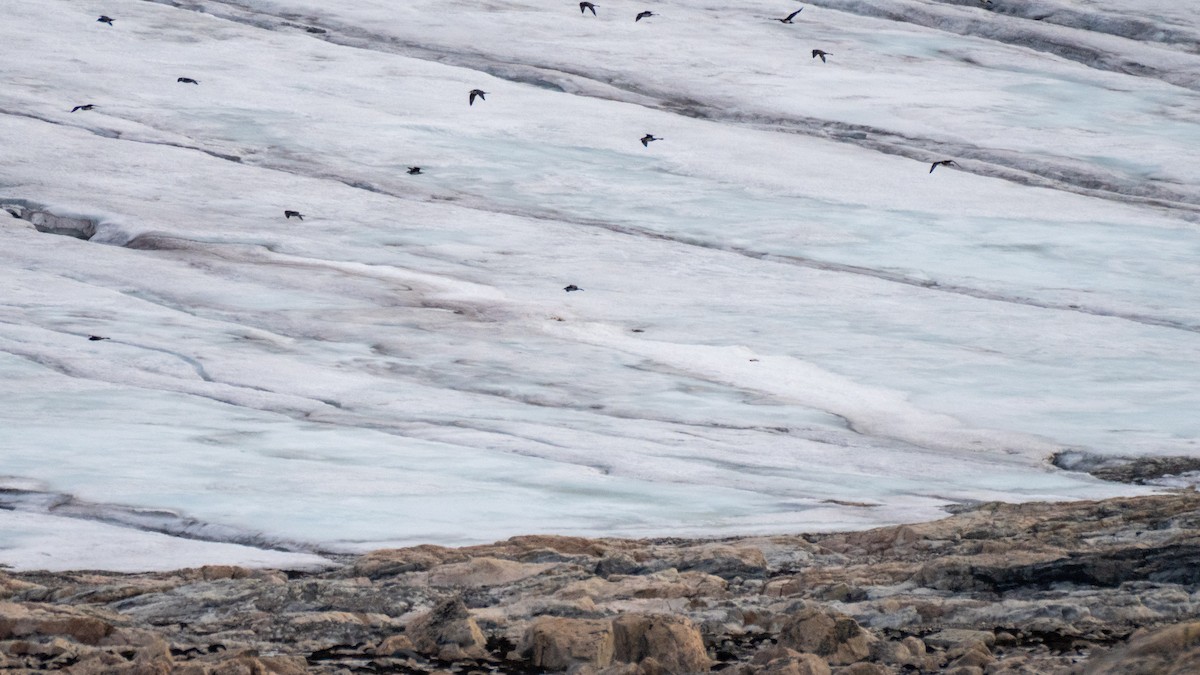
(1094, 587)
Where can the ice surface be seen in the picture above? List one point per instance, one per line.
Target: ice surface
(787, 322)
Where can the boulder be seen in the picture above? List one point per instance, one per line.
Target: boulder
(907, 652)
(559, 644)
(779, 660)
(974, 655)
(622, 563)
(674, 642)
(447, 632)
(485, 571)
(724, 561)
(389, 562)
(863, 669)
(333, 628)
(396, 644)
(956, 637)
(667, 584)
(18, 621)
(834, 636)
(1174, 650)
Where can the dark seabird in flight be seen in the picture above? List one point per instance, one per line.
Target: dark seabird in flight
(105, 19)
(820, 53)
(414, 170)
(789, 17)
(944, 162)
(289, 214)
(96, 338)
(83, 107)
(584, 6)
(644, 15)
(647, 138)
(474, 93)
(572, 287)
(187, 80)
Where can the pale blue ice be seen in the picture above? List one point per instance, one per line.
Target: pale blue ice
(787, 323)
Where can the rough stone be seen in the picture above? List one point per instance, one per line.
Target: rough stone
(483, 572)
(393, 645)
(672, 641)
(954, 637)
(559, 644)
(779, 660)
(863, 669)
(724, 561)
(1174, 650)
(836, 637)
(448, 632)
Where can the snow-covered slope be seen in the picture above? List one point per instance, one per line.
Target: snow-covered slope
(786, 320)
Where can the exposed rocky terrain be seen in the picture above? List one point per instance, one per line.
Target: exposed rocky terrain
(1093, 587)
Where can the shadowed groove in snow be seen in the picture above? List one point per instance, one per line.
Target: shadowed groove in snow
(71, 226)
(1029, 32)
(1091, 21)
(1057, 173)
(147, 520)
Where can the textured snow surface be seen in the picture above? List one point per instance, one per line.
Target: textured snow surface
(787, 322)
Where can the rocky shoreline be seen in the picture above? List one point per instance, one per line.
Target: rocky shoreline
(1088, 587)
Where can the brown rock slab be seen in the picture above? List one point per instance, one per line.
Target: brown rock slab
(559, 644)
(387, 562)
(1174, 650)
(673, 642)
(395, 644)
(863, 669)
(17, 621)
(483, 572)
(779, 660)
(448, 632)
(834, 636)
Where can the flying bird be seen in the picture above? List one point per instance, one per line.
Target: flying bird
(584, 6)
(96, 338)
(105, 19)
(289, 214)
(644, 15)
(572, 287)
(83, 107)
(474, 93)
(187, 80)
(789, 17)
(820, 53)
(647, 138)
(944, 162)
(414, 170)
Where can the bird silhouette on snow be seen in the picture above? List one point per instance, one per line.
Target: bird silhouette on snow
(89, 106)
(944, 162)
(474, 93)
(647, 138)
(820, 53)
(644, 15)
(585, 6)
(789, 17)
(289, 214)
